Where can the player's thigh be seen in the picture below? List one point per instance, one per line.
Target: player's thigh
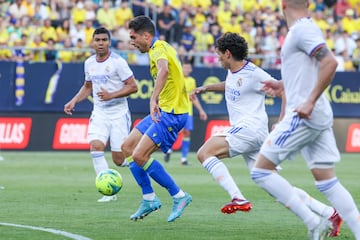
(286, 140)
(99, 129)
(244, 140)
(322, 152)
(214, 146)
(120, 129)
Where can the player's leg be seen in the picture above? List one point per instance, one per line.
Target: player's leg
(161, 136)
(120, 129)
(149, 201)
(98, 135)
(321, 156)
(289, 136)
(209, 155)
(323, 210)
(185, 146)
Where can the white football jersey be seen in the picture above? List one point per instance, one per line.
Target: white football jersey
(244, 99)
(300, 71)
(110, 75)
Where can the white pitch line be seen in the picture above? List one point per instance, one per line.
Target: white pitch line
(50, 230)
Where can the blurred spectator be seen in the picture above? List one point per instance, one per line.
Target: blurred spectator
(63, 30)
(138, 7)
(340, 8)
(165, 24)
(211, 15)
(17, 10)
(64, 10)
(48, 31)
(4, 8)
(199, 17)
(185, 56)
(329, 39)
(210, 58)
(77, 32)
(80, 55)
(282, 34)
(122, 33)
(345, 43)
(42, 11)
(105, 15)
(349, 24)
(90, 10)
(356, 55)
(66, 53)
(123, 13)
(89, 31)
(121, 49)
(215, 31)
(203, 38)
(37, 55)
(14, 30)
(26, 28)
(4, 34)
(78, 13)
(224, 15)
(5, 52)
(319, 5)
(319, 18)
(187, 38)
(29, 8)
(232, 26)
(51, 51)
(18, 53)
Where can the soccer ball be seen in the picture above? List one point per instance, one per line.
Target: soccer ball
(108, 182)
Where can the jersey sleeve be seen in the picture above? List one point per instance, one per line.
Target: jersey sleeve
(123, 69)
(309, 39)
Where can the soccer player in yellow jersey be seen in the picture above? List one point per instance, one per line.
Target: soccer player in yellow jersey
(168, 114)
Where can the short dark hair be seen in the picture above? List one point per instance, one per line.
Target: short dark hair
(101, 30)
(235, 43)
(141, 24)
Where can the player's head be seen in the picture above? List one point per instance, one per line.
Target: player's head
(287, 5)
(142, 32)
(101, 41)
(231, 46)
(187, 68)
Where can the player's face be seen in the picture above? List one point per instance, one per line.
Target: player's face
(223, 59)
(139, 41)
(101, 43)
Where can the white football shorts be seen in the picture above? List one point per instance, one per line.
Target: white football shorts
(291, 135)
(104, 129)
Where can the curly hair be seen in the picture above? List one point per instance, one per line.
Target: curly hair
(101, 30)
(235, 43)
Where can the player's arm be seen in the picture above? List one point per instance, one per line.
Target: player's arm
(129, 87)
(202, 113)
(327, 70)
(216, 87)
(161, 78)
(83, 93)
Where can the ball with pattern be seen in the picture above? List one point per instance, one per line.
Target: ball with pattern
(109, 182)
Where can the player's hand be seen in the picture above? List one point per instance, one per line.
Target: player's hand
(69, 108)
(104, 95)
(273, 88)
(203, 115)
(305, 110)
(196, 91)
(154, 111)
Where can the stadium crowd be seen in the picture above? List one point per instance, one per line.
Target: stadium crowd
(49, 30)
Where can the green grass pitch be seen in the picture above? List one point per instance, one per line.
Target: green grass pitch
(56, 190)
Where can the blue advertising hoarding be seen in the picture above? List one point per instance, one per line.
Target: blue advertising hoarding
(46, 87)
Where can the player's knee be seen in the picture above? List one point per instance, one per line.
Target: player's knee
(97, 145)
(118, 158)
(126, 149)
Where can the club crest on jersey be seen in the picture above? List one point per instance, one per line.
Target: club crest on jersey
(107, 69)
(239, 82)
